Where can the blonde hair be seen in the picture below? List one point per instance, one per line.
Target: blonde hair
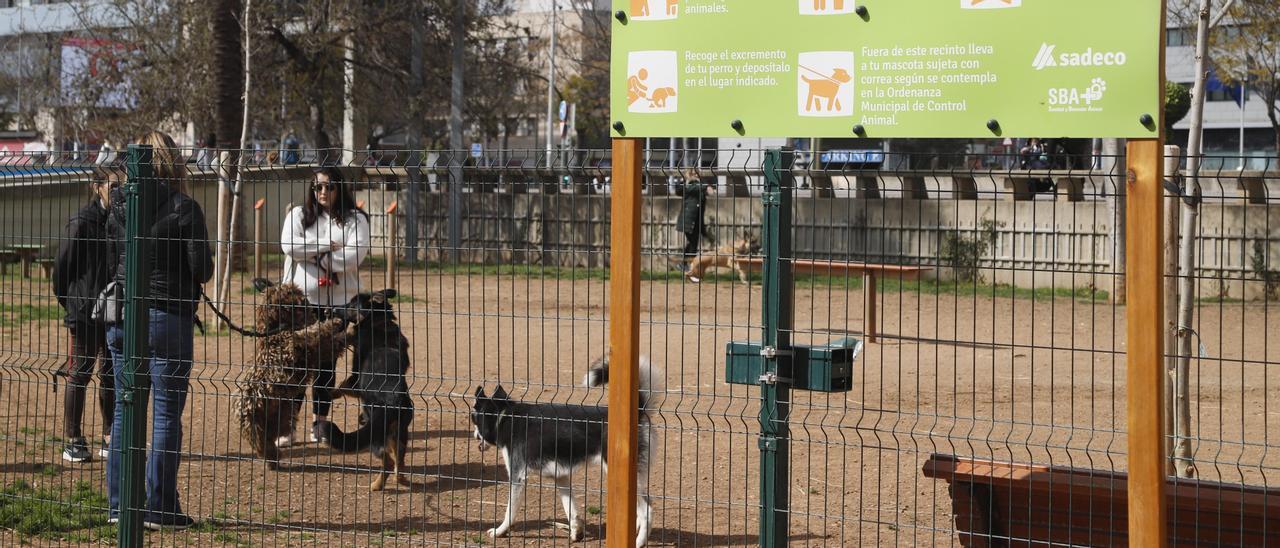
(166, 161)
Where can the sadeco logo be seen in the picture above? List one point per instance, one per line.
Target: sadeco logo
(1045, 58)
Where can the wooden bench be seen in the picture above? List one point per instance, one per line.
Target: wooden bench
(46, 265)
(870, 272)
(1005, 504)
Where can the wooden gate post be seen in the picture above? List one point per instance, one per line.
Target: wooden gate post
(624, 343)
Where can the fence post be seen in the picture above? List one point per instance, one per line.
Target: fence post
(778, 311)
(391, 245)
(1148, 525)
(257, 237)
(140, 192)
(624, 343)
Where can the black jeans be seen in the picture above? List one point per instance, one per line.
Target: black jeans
(691, 244)
(88, 345)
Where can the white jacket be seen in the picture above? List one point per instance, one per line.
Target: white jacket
(309, 256)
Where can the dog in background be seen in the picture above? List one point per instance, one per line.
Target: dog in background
(729, 256)
(269, 395)
(380, 365)
(555, 440)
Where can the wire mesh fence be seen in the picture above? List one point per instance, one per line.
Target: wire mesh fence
(985, 404)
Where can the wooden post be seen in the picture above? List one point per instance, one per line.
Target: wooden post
(1148, 523)
(870, 328)
(1144, 325)
(624, 343)
(257, 237)
(391, 245)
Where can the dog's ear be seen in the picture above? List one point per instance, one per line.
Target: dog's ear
(480, 393)
(500, 393)
(388, 294)
(261, 284)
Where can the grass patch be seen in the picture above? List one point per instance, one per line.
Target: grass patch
(228, 537)
(593, 510)
(17, 314)
(204, 526)
(30, 430)
(53, 514)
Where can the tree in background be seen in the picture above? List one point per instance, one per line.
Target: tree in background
(1177, 103)
(1247, 51)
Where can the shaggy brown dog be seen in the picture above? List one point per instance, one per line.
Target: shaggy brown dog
(726, 257)
(284, 365)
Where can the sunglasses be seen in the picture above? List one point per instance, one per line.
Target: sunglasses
(324, 187)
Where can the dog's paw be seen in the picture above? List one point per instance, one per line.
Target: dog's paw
(575, 532)
(497, 532)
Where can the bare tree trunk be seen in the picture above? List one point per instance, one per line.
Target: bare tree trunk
(227, 111)
(1172, 157)
(225, 288)
(1183, 465)
(1113, 164)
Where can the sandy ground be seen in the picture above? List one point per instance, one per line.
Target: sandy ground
(1019, 379)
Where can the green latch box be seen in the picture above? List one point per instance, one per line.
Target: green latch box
(827, 368)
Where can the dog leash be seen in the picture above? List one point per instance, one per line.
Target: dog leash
(246, 332)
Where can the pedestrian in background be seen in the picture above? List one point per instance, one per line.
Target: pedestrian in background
(691, 221)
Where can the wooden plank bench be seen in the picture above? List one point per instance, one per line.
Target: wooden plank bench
(870, 272)
(1007, 504)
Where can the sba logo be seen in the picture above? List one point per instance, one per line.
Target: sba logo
(989, 4)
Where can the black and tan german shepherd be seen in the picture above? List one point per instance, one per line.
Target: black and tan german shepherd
(378, 381)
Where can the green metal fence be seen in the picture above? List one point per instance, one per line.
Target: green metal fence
(910, 344)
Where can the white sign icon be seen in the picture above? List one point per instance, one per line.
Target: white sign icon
(652, 82)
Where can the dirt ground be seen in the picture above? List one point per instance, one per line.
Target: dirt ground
(1022, 379)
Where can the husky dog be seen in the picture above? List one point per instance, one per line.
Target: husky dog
(555, 440)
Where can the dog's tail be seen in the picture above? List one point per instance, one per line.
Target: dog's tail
(374, 428)
(651, 380)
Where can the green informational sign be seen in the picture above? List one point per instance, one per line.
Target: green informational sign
(886, 68)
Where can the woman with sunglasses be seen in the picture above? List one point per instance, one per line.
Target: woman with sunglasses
(324, 241)
(80, 272)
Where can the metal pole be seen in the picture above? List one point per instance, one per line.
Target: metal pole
(551, 81)
(775, 388)
(456, 155)
(140, 192)
(624, 344)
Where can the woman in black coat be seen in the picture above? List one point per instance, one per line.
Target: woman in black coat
(81, 270)
(693, 208)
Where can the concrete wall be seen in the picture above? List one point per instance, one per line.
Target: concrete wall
(1040, 243)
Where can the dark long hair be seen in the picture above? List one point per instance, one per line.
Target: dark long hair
(343, 209)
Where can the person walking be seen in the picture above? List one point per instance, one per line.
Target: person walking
(324, 241)
(81, 270)
(181, 264)
(691, 221)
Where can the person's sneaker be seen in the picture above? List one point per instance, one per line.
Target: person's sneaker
(284, 441)
(317, 431)
(76, 450)
(113, 520)
(695, 279)
(105, 450)
(168, 522)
